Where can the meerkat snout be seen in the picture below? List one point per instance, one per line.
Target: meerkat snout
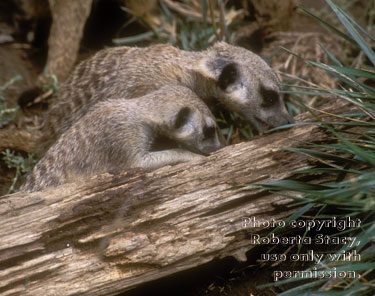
(272, 101)
(196, 131)
(209, 132)
(211, 139)
(256, 99)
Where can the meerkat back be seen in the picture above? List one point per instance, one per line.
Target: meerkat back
(120, 134)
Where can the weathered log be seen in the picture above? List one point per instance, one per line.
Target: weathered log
(18, 139)
(119, 230)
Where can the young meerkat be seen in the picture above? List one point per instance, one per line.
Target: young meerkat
(236, 77)
(123, 133)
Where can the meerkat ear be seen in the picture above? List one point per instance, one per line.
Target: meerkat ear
(182, 118)
(223, 71)
(229, 75)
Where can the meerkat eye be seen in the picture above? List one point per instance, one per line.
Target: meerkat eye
(209, 132)
(182, 117)
(269, 96)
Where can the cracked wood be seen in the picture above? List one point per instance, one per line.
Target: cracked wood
(121, 229)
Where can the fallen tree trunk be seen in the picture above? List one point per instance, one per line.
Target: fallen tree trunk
(17, 139)
(118, 230)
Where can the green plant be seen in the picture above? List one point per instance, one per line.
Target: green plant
(351, 160)
(17, 161)
(12, 159)
(191, 25)
(50, 83)
(7, 113)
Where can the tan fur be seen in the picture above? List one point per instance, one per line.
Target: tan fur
(234, 76)
(120, 134)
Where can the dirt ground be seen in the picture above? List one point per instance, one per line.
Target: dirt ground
(21, 56)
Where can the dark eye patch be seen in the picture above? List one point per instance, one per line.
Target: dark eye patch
(182, 117)
(209, 132)
(269, 97)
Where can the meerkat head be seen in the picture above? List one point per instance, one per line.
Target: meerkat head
(245, 84)
(194, 130)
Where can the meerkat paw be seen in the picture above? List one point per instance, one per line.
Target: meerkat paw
(158, 159)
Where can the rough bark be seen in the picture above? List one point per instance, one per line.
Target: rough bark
(18, 139)
(121, 229)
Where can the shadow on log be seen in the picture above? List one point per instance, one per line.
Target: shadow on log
(121, 229)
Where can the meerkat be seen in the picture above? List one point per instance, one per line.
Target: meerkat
(237, 78)
(121, 134)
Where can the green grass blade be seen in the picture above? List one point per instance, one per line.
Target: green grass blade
(354, 94)
(134, 39)
(321, 155)
(351, 81)
(330, 55)
(356, 24)
(330, 27)
(354, 72)
(366, 156)
(353, 32)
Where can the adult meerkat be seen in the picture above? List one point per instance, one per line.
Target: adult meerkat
(236, 77)
(122, 134)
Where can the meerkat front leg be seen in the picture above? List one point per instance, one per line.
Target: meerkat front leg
(154, 160)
